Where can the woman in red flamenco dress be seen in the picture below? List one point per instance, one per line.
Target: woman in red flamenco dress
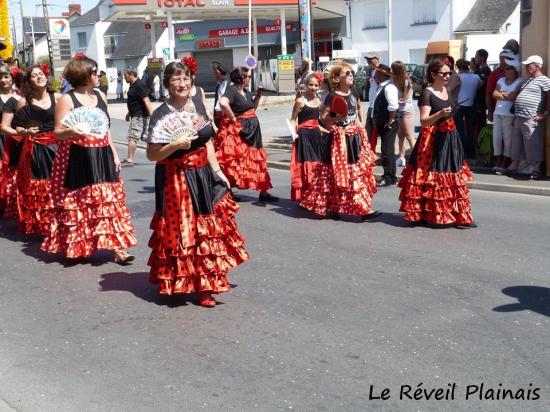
(311, 146)
(195, 240)
(88, 193)
(240, 150)
(34, 121)
(347, 187)
(11, 144)
(433, 185)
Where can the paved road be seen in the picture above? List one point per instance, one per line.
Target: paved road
(322, 311)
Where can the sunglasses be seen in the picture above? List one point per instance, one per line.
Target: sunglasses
(247, 76)
(94, 72)
(444, 74)
(349, 73)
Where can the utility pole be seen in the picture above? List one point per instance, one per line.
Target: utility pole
(23, 32)
(14, 36)
(48, 37)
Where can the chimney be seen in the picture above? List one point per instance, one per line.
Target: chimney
(75, 8)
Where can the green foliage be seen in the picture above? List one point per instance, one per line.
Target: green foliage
(55, 83)
(42, 59)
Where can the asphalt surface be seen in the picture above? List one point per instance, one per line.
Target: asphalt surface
(323, 310)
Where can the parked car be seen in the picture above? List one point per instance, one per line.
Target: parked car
(417, 79)
(410, 68)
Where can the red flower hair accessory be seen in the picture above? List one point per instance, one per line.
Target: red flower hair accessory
(319, 76)
(191, 63)
(15, 71)
(45, 69)
(79, 55)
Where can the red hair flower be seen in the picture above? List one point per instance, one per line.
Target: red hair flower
(79, 55)
(191, 63)
(15, 71)
(319, 76)
(45, 69)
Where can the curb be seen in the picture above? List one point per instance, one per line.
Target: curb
(491, 187)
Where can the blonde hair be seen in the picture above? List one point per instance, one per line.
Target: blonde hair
(335, 72)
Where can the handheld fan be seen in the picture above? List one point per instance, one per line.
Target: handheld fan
(339, 105)
(177, 125)
(87, 120)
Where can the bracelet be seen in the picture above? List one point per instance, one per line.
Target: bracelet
(217, 171)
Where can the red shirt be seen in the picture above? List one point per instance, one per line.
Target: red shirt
(492, 84)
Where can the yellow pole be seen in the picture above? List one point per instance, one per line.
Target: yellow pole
(5, 35)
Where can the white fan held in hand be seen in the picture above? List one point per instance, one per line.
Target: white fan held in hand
(176, 126)
(88, 121)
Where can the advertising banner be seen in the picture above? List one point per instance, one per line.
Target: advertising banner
(59, 29)
(304, 14)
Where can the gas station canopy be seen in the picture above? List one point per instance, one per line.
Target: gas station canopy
(158, 10)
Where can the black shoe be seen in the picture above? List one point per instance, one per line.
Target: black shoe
(384, 183)
(334, 216)
(372, 215)
(466, 225)
(236, 198)
(267, 198)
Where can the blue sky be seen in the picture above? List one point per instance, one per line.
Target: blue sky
(55, 9)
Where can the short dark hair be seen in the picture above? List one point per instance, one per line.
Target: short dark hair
(78, 71)
(434, 66)
(174, 69)
(463, 64)
(131, 70)
(483, 53)
(237, 75)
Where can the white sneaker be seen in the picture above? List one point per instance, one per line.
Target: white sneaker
(400, 162)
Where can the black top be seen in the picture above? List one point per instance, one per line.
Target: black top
(308, 113)
(197, 101)
(31, 115)
(205, 134)
(101, 105)
(479, 100)
(136, 93)
(9, 105)
(351, 100)
(239, 103)
(427, 98)
(380, 113)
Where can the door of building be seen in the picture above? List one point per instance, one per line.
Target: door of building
(205, 78)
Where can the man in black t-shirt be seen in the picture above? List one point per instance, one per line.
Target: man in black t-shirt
(139, 112)
(480, 103)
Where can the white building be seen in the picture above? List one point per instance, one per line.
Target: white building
(414, 23)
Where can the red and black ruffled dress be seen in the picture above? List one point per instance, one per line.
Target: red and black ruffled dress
(310, 152)
(434, 183)
(34, 200)
(195, 240)
(239, 147)
(11, 152)
(89, 197)
(348, 186)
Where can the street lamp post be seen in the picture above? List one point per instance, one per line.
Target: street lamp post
(331, 45)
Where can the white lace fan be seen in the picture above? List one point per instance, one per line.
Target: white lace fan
(87, 120)
(177, 125)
